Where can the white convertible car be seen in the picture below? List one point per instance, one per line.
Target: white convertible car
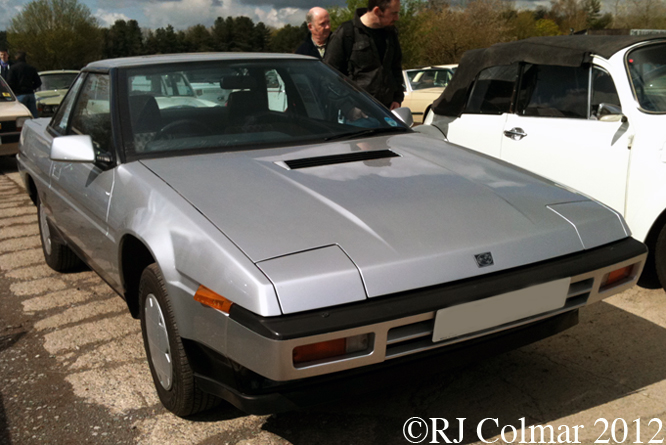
(283, 252)
(585, 111)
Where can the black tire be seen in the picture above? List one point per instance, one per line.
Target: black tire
(173, 378)
(57, 254)
(660, 257)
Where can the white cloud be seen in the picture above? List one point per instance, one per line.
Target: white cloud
(182, 14)
(9, 9)
(280, 17)
(107, 18)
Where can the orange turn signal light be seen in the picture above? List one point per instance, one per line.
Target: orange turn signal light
(332, 349)
(319, 351)
(617, 276)
(206, 296)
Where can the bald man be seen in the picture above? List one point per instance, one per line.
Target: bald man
(319, 25)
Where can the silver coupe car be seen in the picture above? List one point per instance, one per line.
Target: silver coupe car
(298, 241)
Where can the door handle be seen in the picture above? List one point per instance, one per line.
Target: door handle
(516, 133)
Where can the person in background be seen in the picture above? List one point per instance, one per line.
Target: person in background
(366, 50)
(319, 25)
(24, 80)
(4, 63)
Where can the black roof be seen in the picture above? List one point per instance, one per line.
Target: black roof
(573, 50)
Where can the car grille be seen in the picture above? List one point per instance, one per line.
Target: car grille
(417, 337)
(8, 126)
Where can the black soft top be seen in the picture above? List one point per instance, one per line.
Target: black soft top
(573, 50)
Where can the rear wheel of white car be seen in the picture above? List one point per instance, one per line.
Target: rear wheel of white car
(172, 375)
(660, 257)
(57, 254)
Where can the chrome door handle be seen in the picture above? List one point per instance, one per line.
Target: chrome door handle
(515, 133)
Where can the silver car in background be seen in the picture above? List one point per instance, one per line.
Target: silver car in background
(297, 241)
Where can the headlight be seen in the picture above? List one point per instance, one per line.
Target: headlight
(20, 121)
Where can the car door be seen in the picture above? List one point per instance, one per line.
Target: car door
(83, 190)
(560, 131)
(480, 125)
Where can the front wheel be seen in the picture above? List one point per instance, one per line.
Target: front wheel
(172, 375)
(57, 254)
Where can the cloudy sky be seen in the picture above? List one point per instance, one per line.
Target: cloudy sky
(184, 13)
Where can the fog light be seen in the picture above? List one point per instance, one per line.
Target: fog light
(331, 349)
(616, 277)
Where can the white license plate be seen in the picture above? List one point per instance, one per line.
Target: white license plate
(494, 311)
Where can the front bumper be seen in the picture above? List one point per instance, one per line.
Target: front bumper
(9, 143)
(260, 349)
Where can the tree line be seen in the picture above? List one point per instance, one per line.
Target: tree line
(63, 34)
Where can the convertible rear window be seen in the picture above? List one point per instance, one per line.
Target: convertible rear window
(492, 90)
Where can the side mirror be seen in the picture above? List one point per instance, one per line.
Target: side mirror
(405, 115)
(610, 113)
(74, 148)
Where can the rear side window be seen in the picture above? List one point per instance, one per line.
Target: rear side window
(554, 91)
(493, 90)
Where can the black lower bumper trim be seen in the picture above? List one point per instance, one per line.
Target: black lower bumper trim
(257, 395)
(419, 301)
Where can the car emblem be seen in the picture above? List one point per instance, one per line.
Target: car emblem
(484, 259)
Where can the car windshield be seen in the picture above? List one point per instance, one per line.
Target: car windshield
(227, 105)
(58, 81)
(429, 78)
(647, 71)
(5, 92)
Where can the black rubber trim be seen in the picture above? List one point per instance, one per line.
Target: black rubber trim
(257, 395)
(340, 158)
(404, 304)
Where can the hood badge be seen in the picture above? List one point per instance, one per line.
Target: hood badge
(484, 259)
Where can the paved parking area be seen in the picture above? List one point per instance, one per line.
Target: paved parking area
(72, 370)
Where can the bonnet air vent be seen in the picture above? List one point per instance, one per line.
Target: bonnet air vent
(340, 159)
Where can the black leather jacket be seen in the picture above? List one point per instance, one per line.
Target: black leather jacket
(352, 51)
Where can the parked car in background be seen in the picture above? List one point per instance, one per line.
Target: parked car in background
(585, 111)
(282, 252)
(424, 85)
(54, 86)
(13, 115)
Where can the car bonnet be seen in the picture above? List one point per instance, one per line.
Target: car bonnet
(418, 214)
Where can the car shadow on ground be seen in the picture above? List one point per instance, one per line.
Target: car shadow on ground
(610, 355)
(6, 342)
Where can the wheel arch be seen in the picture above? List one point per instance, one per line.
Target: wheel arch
(31, 188)
(135, 256)
(649, 277)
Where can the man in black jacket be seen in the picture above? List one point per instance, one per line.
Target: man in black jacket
(366, 50)
(4, 63)
(24, 80)
(319, 24)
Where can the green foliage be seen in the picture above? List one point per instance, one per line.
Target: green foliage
(122, 39)
(546, 27)
(56, 34)
(288, 38)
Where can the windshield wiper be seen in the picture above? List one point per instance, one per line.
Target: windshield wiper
(367, 132)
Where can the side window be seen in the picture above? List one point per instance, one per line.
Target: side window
(493, 90)
(605, 100)
(277, 96)
(554, 91)
(91, 113)
(61, 119)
